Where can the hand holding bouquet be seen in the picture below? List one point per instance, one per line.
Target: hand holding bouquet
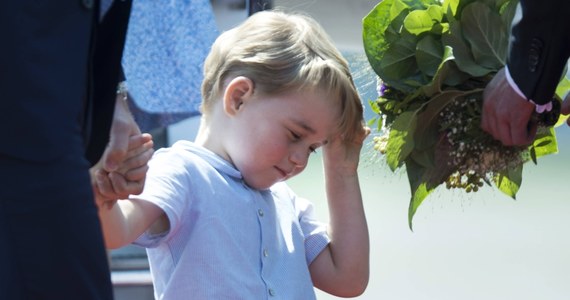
(433, 60)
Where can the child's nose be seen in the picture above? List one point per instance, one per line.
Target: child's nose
(299, 158)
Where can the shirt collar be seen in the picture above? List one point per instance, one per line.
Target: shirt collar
(220, 164)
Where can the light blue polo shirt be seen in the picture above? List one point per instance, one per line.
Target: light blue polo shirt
(226, 240)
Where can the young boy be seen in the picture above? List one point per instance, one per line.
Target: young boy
(216, 216)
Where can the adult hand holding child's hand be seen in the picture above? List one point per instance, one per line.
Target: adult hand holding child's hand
(128, 178)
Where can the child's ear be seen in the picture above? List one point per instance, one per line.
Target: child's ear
(238, 91)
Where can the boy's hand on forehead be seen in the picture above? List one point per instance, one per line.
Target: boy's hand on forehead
(342, 155)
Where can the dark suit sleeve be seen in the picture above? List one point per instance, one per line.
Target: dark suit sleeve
(539, 47)
(107, 73)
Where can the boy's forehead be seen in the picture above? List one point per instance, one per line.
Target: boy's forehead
(311, 129)
(303, 124)
(319, 119)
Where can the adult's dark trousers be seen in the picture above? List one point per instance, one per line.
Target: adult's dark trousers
(51, 244)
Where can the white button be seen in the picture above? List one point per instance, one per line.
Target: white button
(271, 292)
(260, 212)
(265, 253)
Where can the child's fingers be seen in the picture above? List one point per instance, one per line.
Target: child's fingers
(136, 174)
(125, 187)
(119, 183)
(137, 161)
(359, 137)
(104, 190)
(103, 184)
(113, 186)
(365, 133)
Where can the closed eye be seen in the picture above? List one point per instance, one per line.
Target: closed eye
(295, 135)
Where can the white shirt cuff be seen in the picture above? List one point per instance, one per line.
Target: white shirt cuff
(539, 108)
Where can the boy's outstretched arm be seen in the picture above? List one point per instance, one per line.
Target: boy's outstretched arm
(342, 269)
(125, 221)
(122, 222)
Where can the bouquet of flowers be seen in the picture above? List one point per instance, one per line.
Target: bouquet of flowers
(433, 59)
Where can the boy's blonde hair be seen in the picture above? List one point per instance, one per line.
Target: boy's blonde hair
(282, 52)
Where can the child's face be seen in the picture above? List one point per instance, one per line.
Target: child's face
(272, 137)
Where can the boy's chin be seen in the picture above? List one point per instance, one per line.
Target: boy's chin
(260, 185)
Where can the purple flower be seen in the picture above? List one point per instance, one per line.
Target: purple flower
(381, 88)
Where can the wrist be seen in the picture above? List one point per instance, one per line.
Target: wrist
(539, 108)
(122, 90)
(122, 95)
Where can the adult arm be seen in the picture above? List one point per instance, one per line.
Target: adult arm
(538, 50)
(122, 168)
(539, 47)
(122, 127)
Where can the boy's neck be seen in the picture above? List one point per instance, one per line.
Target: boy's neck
(211, 138)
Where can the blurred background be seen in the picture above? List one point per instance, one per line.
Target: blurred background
(464, 246)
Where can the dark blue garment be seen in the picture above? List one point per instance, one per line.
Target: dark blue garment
(51, 241)
(59, 68)
(539, 47)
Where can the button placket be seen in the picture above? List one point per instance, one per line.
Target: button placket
(261, 214)
(265, 219)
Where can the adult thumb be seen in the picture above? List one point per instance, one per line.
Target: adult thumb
(118, 146)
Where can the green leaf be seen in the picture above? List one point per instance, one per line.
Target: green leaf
(462, 53)
(509, 181)
(420, 21)
(545, 142)
(459, 8)
(436, 84)
(374, 25)
(561, 91)
(399, 61)
(563, 87)
(383, 39)
(399, 7)
(447, 73)
(400, 142)
(450, 7)
(429, 52)
(418, 196)
(423, 158)
(416, 174)
(508, 11)
(532, 153)
(419, 4)
(374, 107)
(485, 32)
(454, 76)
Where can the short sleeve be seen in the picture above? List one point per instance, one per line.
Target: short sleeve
(316, 236)
(167, 185)
(314, 231)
